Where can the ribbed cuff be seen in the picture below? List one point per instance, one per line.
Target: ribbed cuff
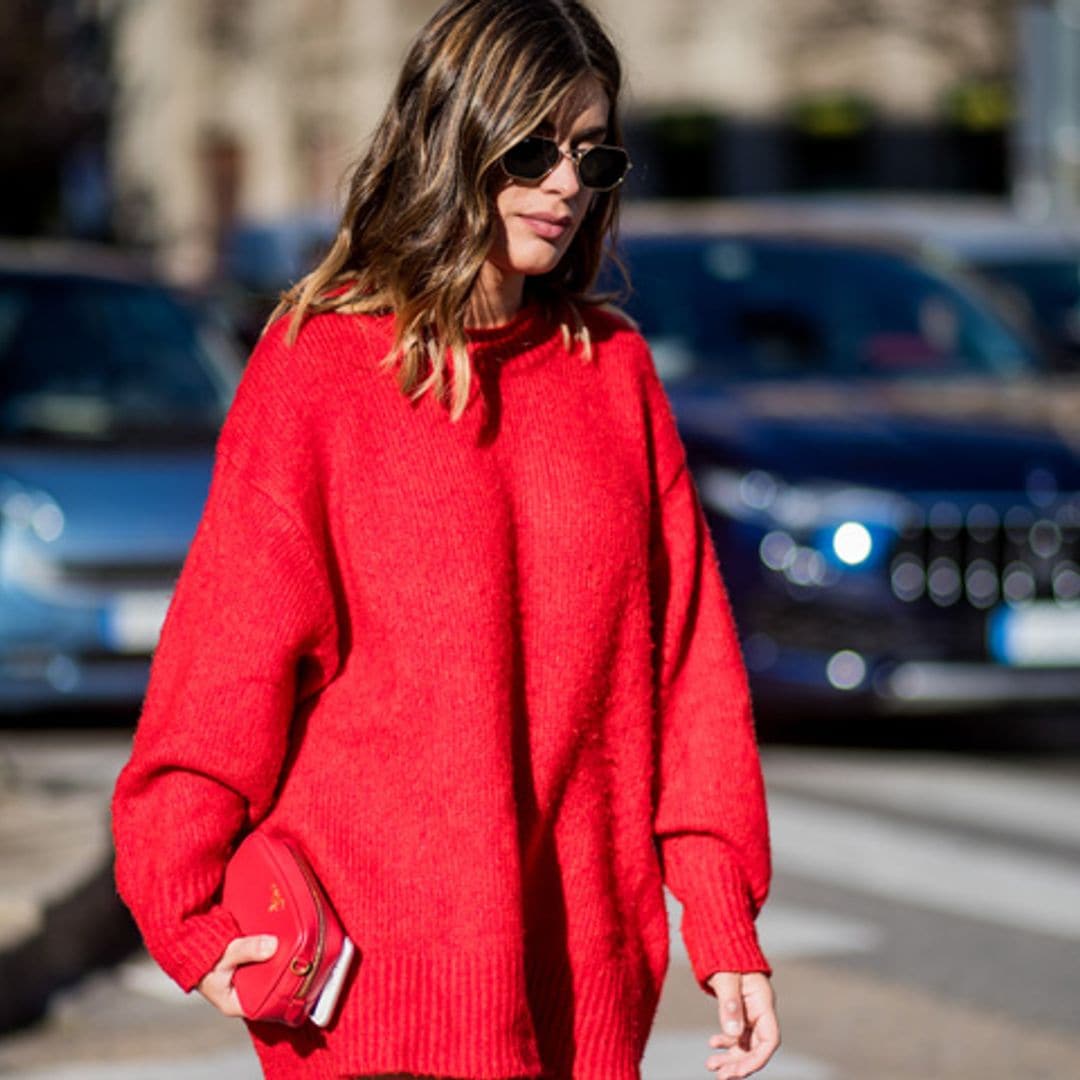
(718, 928)
(188, 956)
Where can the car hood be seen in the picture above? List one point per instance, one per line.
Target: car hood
(115, 504)
(972, 434)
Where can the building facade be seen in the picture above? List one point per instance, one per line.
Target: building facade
(234, 110)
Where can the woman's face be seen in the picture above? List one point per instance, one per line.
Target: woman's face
(536, 222)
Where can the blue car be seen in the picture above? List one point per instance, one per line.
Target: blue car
(1036, 272)
(112, 391)
(1030, 269)
(891, 479)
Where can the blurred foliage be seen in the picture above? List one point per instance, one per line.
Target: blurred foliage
(55, 97)
(979, 105)
(690, 128)
(838, 115)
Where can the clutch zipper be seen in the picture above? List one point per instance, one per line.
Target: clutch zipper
(312, 966)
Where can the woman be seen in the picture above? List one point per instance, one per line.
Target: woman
(452, 616)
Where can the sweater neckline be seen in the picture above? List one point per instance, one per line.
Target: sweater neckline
(526, 334)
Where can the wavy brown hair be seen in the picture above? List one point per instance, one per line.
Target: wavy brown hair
(420, 216)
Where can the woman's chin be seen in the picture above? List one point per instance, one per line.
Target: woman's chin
(535, 256)
(541, 263)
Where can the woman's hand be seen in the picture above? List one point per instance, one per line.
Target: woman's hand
(216, 985)
(749, 1029)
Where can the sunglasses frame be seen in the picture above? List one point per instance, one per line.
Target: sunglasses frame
(575, 156)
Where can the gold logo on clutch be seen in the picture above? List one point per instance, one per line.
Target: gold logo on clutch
(277, 901)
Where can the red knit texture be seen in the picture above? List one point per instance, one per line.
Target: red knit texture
(486, 671)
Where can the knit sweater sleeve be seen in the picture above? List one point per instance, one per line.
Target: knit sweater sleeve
(249, 634)
(710, 814)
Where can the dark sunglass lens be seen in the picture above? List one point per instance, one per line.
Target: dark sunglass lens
(603, 167)
(531, 158)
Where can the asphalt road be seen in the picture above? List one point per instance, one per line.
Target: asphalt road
(924, 922)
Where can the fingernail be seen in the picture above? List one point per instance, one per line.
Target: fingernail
(267, 945)
(732, 1027)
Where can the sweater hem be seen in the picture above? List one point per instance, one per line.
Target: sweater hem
(435, 1013)
(482, 1016)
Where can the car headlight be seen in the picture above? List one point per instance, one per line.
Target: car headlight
(852, 543)
(812, 531)
(25, 518)
(36, 512)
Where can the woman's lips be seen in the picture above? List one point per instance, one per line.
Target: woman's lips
(547, 226)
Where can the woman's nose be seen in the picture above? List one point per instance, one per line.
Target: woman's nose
(564, 178)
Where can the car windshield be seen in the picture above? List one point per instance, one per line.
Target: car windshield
(1051, 285)
(107, 361)
(737, 308)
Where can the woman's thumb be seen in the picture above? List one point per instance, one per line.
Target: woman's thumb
(250, 950)
(265, 946)
(727, 986)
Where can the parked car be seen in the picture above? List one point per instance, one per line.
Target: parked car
(262, 258)
(1035, 269)
(1031, 267)
(892, 481)
(112, 391)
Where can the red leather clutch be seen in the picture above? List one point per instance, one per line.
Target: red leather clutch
(270, 888)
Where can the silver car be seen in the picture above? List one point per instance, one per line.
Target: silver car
(112, 391)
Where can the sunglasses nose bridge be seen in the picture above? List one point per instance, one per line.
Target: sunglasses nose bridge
(574, 157)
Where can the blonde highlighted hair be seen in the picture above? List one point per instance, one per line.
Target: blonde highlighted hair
(419, 217)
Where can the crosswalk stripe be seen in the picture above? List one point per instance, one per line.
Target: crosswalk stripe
(915, 864)
(787, 932)
(669, 1056)
(142, 976)
(236, 1065)
(973, 792)
(676, 1055)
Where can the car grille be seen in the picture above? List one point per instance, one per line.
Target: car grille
(113, 576)
(981, 555)
(824, 625)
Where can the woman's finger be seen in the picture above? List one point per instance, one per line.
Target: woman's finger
(763, 1045)
(752, 1053)
(217, 987)
(727, 986)
(247, 950)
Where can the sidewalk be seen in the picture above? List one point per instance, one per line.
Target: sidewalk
(868, 985)
(59, 914)
(60, 920)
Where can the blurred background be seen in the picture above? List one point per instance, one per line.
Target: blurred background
(167, 124)
(853, 235)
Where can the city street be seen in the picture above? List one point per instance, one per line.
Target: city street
(925, 921)
(391, 380)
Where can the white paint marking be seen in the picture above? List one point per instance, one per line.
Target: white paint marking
(144, 977)
(918, 865)
(977, 793)
(236, 1065)
(677, 1055)
(787, 932)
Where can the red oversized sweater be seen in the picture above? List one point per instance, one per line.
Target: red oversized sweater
(487, 672)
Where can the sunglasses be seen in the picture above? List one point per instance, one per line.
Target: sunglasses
(600, 168)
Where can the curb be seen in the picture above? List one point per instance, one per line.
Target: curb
(87, 928)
